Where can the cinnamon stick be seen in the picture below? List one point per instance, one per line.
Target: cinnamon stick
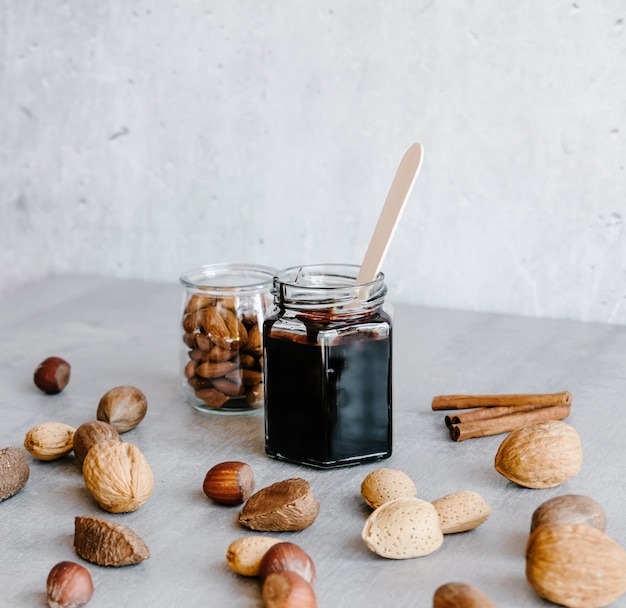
(487, 413)
(461, 402)
(506, 423)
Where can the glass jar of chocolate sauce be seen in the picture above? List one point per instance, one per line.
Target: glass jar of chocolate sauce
(327, 365)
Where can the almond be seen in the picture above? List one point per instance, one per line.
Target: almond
(403, 528)
(540, 455)
(383, 485)
(244, 555)
(575, 565)
(461, 511)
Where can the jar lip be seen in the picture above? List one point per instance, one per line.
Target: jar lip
(349, 272)
(228, 276)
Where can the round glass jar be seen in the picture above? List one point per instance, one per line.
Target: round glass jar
(328, 362)
(223, 309)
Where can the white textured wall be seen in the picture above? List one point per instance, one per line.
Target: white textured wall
(140, 138)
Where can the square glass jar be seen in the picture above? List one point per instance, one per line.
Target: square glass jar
(328, 364)
(221, 358)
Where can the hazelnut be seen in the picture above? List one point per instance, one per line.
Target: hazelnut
(52, 375)
(69, 585)
(288, 590)
(460, 595)
(90, 433)
(229, 483)
(286, 556)
(123, 407)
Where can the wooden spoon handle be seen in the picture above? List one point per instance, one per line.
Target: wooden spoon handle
(392, 209)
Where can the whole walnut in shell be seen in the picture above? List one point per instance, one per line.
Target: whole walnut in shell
(540, 455)
(118, 476)
(575, 565)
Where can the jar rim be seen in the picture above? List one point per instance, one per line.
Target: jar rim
(349, 272)
(327, 287)
(228, 276)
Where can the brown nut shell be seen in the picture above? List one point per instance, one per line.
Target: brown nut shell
(285, 556)
(123, 407)
(575, 565)
(69, 585)
(540, 455)
(90, 433)
(229, 483)
(118, 476)
(108, 543)
(460, 595)
(283, 506)
(569, 509)
(14, 471)
(52, 375)
(287, 590)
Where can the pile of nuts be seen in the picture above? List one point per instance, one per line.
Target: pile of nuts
(285, 569)
(570, 560)
(115, 472)
(225, 363)
(403, 526)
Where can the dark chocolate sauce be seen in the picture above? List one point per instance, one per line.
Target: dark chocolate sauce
(327, 405)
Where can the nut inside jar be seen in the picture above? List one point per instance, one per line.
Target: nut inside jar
(223, 360)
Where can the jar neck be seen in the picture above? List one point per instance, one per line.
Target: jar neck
(327, 291)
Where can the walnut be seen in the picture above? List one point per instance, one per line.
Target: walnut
(118, 476)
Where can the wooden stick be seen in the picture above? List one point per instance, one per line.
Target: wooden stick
(487, 413)
(509, 422)
(461, 402)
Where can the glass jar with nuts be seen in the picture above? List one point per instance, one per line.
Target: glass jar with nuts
(224, 306)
